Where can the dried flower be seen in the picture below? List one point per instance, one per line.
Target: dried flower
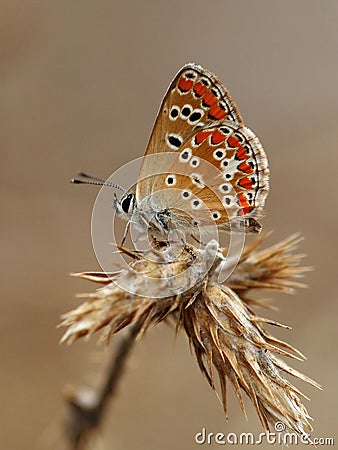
(227, 336)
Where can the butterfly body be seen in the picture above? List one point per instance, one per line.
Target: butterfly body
(154, 217)
(202, 165)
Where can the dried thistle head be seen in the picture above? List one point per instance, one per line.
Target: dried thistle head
(227, 336)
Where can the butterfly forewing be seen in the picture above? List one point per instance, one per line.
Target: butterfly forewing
(225, 168)
(195, 99)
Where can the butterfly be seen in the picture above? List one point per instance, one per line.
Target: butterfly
(202, 165)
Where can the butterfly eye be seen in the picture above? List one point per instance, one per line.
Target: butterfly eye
(127, 203)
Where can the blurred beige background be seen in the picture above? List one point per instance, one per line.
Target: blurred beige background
(80, 86)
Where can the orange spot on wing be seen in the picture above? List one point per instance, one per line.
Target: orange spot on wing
(245, 183)
(247, 209)
(216, 112)
(241, 153)
(201, 136)
(242, 200)
(243, 203)
(245, 167)
(199, 89)
(185, 85)
(209, 99)
(233, 142)
(217, 137)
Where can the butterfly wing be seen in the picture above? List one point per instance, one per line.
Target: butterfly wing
(221, 175)
(194, 99)
(215, 158)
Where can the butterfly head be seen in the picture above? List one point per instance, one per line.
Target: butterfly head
(145, 218)
(125, 206)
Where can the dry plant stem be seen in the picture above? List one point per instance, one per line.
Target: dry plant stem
(85, 419)
(219, 318)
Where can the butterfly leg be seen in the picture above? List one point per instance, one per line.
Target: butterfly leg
(197, 240)
(126, 231)
(162, 218)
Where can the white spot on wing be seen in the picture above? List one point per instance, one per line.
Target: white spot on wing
(189, 74)
(187, 110)
(174, 141)
(174, 112)
(225, 187)
(186, 194)
(219, 153)
(196, 204)
(228, 200)
(185, 155)
(170, 180)
(215, 215)
(197, 180)
(194, 162)
(195, 116)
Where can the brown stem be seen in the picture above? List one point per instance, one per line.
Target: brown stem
(84, 416)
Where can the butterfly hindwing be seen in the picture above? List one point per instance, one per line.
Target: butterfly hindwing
(224, 167)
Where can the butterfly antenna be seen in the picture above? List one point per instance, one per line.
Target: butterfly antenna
(89, 179)
(86, 175)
